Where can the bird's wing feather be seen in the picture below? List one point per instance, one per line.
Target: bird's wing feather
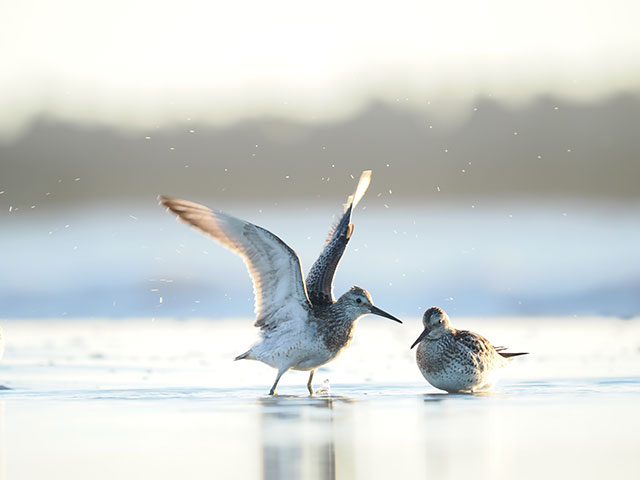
(478, 348)
(320, 278)
(280, 294)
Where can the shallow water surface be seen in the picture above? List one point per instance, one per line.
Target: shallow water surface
(565, 429)
(139, 399)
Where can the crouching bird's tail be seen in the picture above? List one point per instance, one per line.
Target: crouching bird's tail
(508, 354)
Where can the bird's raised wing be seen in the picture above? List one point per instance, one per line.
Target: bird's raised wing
(280, 294)
(320, 279)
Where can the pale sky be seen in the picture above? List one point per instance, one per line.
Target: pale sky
(142, 63)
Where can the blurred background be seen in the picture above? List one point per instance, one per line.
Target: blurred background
(503, 140)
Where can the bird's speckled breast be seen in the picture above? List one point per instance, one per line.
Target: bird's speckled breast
(335, 330)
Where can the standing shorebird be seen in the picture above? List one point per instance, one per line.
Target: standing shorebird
(456, 360)
(302, 326)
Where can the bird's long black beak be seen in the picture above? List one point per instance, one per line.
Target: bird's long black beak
(424, 333)
(382, 313)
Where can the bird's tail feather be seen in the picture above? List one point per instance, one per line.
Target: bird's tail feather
(512, 354)
(244, 356)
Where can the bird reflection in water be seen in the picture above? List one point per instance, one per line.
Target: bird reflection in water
(299, 437)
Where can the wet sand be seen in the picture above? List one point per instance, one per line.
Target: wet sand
(140, 399)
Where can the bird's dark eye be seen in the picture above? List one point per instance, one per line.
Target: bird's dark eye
(440, 321)
(358, 300)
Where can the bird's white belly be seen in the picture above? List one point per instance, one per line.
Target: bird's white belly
(301, 353)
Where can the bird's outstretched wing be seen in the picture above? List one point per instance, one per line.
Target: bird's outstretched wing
(280, 294)
(320, 279)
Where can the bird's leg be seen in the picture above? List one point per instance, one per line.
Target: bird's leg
(309, 386)
(273, 389)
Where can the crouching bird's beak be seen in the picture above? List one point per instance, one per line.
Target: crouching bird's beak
(424, 333)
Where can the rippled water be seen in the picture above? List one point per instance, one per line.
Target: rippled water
(141, 399)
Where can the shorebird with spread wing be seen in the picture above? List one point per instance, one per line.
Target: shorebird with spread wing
(302, 326)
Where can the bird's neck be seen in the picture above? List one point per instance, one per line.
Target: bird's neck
(440, 332)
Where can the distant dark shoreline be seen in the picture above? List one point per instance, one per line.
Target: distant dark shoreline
(547, 148)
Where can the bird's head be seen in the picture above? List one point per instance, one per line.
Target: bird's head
(436, 323)
(358, 302)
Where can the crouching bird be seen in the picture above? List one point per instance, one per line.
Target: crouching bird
(457, 361)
